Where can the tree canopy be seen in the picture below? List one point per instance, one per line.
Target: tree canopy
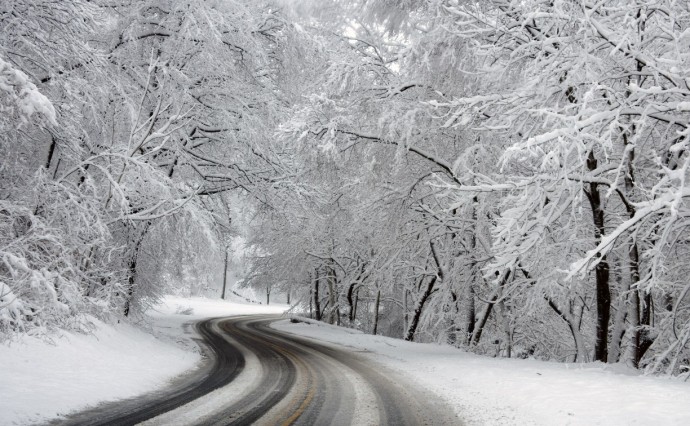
(504, 176)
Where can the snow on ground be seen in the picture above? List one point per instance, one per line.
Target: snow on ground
(490, 391)
(41, 380)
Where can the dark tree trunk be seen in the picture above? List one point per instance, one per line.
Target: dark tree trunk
(414, 321)
(317, 308)
(470, 309)
(351, 302)
(481, 323)
(376, 312)
(332, 282)
(132, 269)
(645, 341)
(453, 329)
(416, 315)
(225, 275)
(352, 293)
(470, 314)
(354, 307)
(603, 292)
(406, 315)
(477, 334)
(642, 307)
(130, 284)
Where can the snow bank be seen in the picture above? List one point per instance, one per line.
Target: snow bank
(491, 391)
(41, 380)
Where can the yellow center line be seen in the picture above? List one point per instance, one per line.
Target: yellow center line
(307, 399)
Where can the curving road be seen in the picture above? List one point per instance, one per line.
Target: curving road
(258, 375)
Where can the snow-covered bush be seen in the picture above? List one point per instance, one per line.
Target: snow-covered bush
(43, 282)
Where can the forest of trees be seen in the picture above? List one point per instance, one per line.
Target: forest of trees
(503, 176)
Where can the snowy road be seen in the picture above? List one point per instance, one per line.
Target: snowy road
(264, 376)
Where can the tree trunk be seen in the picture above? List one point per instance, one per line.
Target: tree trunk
(414, 321)
(453, 313)
(503, 310)
(354, 288)
(225, 275)
(416, 315)
(354, 313)
(641, 318)
(645, 341)
(601, 271)
(580, 348)
(132, 269)
(317, 308)
(620, 319)
(130, 283)
(376, 312)
(483, 318)
(479, 326)
(332, 299)
(470, 308)
(470, 313)
(350, 302)
(406, 315)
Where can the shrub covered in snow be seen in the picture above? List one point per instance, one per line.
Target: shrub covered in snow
(45, 279)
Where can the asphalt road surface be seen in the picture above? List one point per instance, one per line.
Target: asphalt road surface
(254, 374)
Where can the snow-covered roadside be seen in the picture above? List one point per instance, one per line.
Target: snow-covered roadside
(40, 380)
(488, 391)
